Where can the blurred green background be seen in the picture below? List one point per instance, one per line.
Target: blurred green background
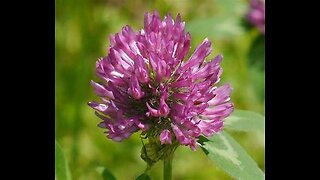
(82, 28)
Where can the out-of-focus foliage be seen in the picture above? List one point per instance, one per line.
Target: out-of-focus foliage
(82, 31)
(61, 166)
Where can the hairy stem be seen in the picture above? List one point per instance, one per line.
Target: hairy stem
(167, 167)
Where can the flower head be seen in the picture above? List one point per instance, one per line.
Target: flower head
(146, 85)
(256, 14)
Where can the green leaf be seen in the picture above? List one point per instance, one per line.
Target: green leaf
(227, 154)
(106, 174)
(61, 167)
(222, 27)
(143, 176)
(242, 120)
(233, 7)
(226, 22)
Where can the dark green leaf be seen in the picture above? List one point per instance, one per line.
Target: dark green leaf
(106, 174)
(257, 77)
(244, 121)
(227, 154)
(61, 168)
(257, 52)
(144, 176)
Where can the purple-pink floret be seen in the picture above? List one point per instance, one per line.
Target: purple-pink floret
(146, 84)
(256, 14)
(165, 137)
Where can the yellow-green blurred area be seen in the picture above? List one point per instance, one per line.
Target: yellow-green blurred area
(81, 36)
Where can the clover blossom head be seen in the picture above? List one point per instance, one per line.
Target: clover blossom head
(256, 14)
(147, 84)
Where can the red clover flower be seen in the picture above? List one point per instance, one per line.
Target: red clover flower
(146, 85)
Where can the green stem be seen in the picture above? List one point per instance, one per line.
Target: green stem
(167, 168)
